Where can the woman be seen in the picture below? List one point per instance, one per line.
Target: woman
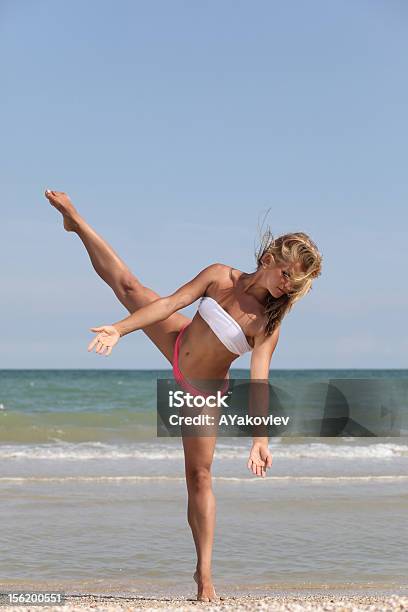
(238, 312)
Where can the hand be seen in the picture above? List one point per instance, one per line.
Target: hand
(260, 459)
(106, 339)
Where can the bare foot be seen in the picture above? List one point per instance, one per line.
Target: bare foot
(63, 204)
(206, 591)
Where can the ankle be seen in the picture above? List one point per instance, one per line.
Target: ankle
(204, 575)
(78, 223)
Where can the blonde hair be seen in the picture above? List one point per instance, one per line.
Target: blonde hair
(289, 249)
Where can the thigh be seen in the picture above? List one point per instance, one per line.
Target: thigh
(164, 333)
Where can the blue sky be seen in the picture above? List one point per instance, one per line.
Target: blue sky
(174, 126)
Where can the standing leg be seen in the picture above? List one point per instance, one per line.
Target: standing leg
(108, 265)
(198, 456)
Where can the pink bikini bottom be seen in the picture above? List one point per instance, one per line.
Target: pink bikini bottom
(178, 376)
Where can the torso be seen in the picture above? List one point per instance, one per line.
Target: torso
(202, 354)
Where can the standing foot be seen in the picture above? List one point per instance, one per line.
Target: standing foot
(63, 204)
(205, 591)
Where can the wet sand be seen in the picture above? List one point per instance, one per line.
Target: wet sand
(291, 602)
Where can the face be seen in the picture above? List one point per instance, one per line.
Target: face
(277, 275)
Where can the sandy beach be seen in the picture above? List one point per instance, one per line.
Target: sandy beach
(290, 602)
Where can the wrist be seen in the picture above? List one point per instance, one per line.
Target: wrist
(119, 329)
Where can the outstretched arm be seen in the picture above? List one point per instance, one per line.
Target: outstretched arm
(159, 310)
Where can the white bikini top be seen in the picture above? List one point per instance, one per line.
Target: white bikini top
(224, 326)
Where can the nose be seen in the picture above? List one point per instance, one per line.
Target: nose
(286, 284)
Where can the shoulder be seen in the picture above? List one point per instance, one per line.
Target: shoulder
(217, 271)
(213, 272)
(223, 271)
(217, 268)
(196, 287)
(220, 268)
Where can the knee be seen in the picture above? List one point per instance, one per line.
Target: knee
(130, 284)
(199, 479)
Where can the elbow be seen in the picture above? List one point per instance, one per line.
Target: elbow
(262, 375)
(176, 302)
(171, 305)
(260, 370)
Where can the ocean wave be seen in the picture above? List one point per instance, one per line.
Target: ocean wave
(153, 451)
(45, 479)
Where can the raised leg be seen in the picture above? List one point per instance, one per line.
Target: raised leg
(126, 286)
(198, 457)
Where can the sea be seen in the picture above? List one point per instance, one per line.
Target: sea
(93, 501)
